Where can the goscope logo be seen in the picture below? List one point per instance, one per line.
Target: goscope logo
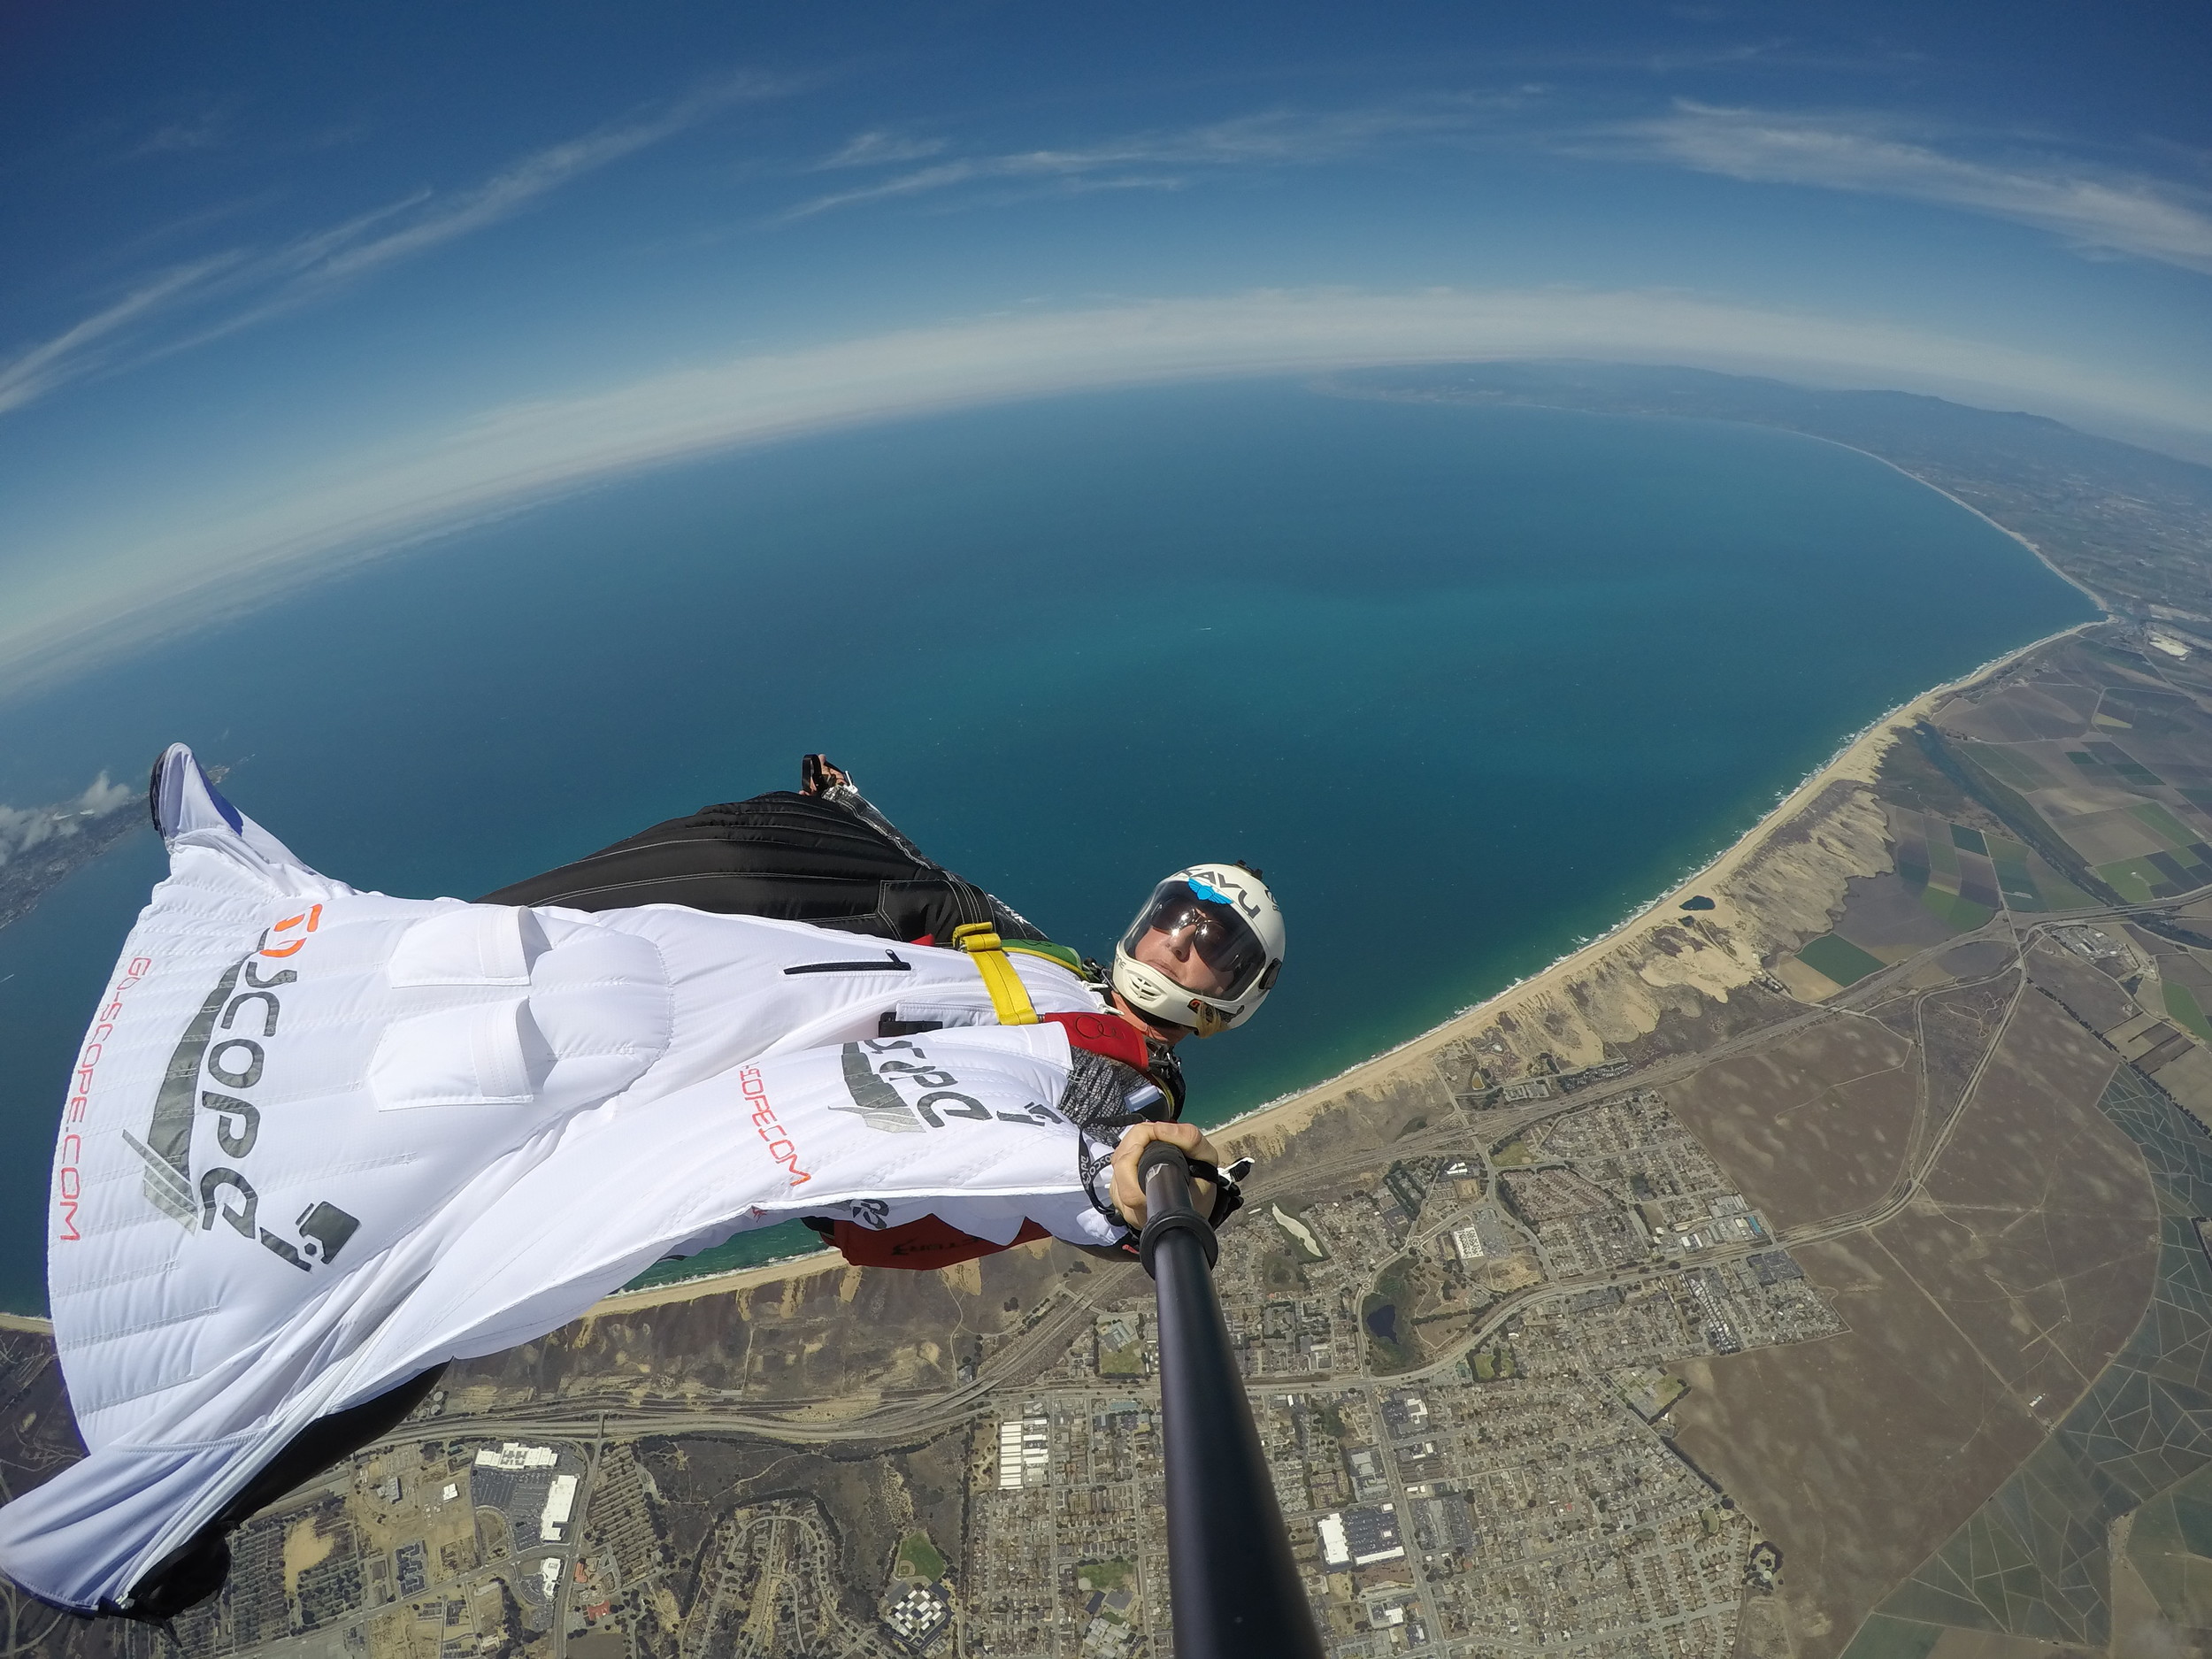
(216, 1047)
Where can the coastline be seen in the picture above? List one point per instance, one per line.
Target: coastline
(1626, 974)
(2042, 558)
(1726, 948)
(1855, 761)
(733, 1281)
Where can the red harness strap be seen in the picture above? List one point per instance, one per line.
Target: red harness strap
(930, 1243)
(1109, 1035)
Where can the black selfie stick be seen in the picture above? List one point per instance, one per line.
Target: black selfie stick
(1237, 1592)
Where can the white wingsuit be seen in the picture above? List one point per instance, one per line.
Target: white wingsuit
(319, 1141)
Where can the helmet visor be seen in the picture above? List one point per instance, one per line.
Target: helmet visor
(1202, 942)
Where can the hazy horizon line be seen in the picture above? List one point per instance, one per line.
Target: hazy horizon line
(66, 618)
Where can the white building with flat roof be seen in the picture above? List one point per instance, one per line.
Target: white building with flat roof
(560, 1498)
(1025, 1453)
(514, 1454)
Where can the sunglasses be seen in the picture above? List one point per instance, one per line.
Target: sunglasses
(1220, 937)
(1215, 937)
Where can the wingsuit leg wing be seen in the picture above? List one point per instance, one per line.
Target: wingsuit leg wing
(791, 857)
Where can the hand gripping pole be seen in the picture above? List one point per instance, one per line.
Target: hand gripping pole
(1237, 1592)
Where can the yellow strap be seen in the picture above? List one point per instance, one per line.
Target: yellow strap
(1009, 995)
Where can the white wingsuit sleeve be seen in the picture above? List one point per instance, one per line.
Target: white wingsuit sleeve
(960, 1123)
(815, 1134)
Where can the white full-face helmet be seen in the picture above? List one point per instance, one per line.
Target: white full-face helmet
(1224, 931)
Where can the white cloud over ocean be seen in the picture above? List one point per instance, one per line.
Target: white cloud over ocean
(25, 829)
(68, 603)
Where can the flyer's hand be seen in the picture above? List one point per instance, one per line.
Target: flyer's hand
(1129, 1197)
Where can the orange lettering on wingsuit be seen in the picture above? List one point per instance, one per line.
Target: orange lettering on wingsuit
(313, 919)
(780, 1146)
(68, 1178)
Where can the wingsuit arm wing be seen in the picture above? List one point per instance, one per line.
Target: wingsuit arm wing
(764, 1144)
(958, 1123)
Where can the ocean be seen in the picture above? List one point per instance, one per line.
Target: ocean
(1469, 684)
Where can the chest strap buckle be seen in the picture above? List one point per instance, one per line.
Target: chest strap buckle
(1010, 997)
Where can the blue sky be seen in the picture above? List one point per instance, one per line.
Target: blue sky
(283, 282)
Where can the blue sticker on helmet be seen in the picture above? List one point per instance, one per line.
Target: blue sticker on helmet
(1212, 895)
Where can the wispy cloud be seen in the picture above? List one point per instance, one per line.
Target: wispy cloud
(1155, 158)
(24, 829)
(508, 192)
(876, 150)
(1730, 56)
(86, 346)
(2092, 208)
(188, 305)
(2096, 208)
(203, 131)
(100, 594)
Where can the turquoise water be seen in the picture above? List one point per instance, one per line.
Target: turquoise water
(1469, 684)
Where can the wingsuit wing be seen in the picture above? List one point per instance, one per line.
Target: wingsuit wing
(184, 799)
(320, 1140)
(527, 1246)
